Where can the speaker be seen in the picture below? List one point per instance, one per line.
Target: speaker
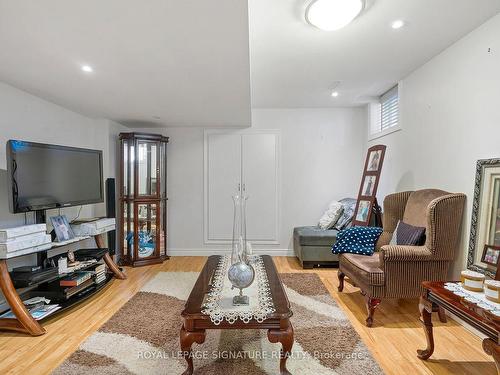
(111, 212)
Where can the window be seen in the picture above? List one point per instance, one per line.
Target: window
(389, 109)
(384, 114)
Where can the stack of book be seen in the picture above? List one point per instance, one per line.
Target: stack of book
(24, 240)
(93, 227)
(76, 283)
(100, 273)
(38, 312)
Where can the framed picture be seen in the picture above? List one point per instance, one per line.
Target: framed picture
(374, 161)
(491, 254)
(367, 201)
(363, 211)
(62, 228)
(369, 185)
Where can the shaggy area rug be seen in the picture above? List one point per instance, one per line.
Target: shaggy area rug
(143, 337)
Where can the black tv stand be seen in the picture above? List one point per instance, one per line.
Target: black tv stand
(24, 322)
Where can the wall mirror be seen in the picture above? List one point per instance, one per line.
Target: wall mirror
(485, 224)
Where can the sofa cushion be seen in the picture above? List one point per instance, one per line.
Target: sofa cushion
(363, 269)
(349, 205)
(314, 236)
(331, 215)
(418, 204)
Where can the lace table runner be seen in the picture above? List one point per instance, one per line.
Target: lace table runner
(219, 301)
(478, 298)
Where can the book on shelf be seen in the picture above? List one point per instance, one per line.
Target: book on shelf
(12, 234)
(29, 250)
(75, 279)
(69, 292)
(38, 312)
(22, 243)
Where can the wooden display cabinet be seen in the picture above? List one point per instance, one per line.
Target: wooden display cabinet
(143, 199)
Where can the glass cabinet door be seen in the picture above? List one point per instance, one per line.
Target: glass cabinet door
(147, 167)
(128, 229)
(147, 227)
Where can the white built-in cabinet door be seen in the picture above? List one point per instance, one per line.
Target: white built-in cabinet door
(246, 162)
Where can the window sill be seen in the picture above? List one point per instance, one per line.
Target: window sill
(394, 129)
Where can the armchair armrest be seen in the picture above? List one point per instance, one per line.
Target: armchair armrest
(398, 253)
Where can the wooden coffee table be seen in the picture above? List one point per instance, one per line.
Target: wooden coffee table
(437, 296)
(195, 323)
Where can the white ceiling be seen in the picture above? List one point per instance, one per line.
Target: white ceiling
(296, 65)
(187, 61)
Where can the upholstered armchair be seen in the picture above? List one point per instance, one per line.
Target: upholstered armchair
(397, 271)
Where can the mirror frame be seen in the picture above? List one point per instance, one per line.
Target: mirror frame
(473, 248)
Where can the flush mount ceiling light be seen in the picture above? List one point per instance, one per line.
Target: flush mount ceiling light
(397, 24)
(335, 94)
(331, 15)
(87, 68)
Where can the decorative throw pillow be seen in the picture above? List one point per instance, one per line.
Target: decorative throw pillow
(406, 234)
(357, 240)
(345, 219)
(331, 215)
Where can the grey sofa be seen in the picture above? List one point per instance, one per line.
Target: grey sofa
(313, 246)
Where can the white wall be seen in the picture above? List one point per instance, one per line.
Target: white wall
(322, 153)
(450, 118)
(27, 117)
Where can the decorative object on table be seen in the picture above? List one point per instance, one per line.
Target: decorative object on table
(406, 234)
(485, 221)
(241, 273)
(367, 196)
(357, 240)
(492, 290)
(142, 231)
(331, 215)
(62, 228)
(396, 271)
(472, 280)
(491, 255)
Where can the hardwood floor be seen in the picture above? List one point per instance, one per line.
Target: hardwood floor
(394, 338)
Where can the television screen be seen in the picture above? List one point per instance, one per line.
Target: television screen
(43, 176)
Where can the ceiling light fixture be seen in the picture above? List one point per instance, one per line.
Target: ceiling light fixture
(87, 68)
(397, 24)
(331, 15)
(335, 94)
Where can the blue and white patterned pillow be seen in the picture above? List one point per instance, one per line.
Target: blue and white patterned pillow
(357, 240)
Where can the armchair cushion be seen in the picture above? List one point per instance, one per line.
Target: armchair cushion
(363, 269)
(406, 234)
(357, 240)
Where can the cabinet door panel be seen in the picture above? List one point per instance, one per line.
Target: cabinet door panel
(259, 173)
(224, 175)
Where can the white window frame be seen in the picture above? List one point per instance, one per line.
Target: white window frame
(375, 117)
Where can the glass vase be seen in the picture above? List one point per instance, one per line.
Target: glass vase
(239, 243)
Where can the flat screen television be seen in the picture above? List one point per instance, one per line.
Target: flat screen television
(44, 176)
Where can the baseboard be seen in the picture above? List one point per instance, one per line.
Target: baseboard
(207, 252)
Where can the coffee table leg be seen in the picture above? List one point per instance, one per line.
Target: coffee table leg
(285, 337)
(187, 338)
(425, 307)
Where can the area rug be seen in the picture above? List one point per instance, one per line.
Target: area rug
(143, 337)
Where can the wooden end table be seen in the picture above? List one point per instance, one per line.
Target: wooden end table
(195, 323)
(436, 296)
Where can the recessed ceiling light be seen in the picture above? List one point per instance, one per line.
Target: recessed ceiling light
(397, 24)
(333, 14)
(87, 68)
(335, 94)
